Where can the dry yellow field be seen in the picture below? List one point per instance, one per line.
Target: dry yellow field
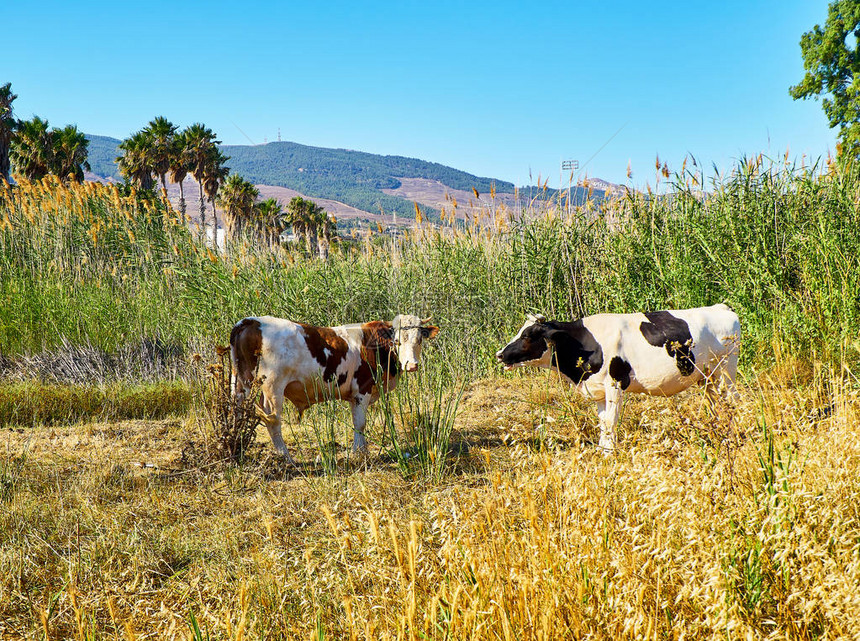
(728, 523)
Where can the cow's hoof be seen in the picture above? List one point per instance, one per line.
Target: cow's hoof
(360, 454)
(287, 459)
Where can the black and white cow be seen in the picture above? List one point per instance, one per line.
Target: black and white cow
(307, 364)
(657, 353)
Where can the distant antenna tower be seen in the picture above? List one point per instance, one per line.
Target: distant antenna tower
(279, 134)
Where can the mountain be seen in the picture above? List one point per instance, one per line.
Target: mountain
(101, 154)
(357, 181)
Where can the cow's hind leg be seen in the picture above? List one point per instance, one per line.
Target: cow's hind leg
(270, 414)
(721, 380)
(730, 373)
(608, 411)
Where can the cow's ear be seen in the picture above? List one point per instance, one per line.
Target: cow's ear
(386, 333)
(558, 338)
(430, 331)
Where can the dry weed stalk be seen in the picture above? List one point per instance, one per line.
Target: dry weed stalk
(231, 419)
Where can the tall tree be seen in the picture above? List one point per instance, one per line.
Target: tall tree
(215, 175)
(199, 142)
(7, 128)
(69, 157)
(299, 218)
(832, 61)
(32, 149)
(270, 221)
(316, 217)
(326, 228)
(310, 220)
(179, 167)
(161, 134)
(135, 163)
(237, 199)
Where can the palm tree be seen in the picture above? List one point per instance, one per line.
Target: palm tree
(298, 210)
(135, 164)
(179, 167)
(200, 141)
(7, 128)
(215, 175)
(32, 149)
(237, 200)
(161, 133)
(326, 228)
(316, 217)
(270, 221)
(291, 216)
(69, 157)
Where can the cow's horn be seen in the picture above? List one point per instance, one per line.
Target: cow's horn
(536, 318)
(424, 321)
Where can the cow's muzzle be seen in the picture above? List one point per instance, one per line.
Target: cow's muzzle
(410, 367)
(508, 366)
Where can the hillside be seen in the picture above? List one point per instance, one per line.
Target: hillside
(352, 177)
(356, 179)
(351, 182)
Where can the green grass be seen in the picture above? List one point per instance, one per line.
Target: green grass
(780, 245)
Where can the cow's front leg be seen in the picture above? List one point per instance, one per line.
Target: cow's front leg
(608, 410)
(359, 407)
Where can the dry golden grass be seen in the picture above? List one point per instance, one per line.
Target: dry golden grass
(703, 525)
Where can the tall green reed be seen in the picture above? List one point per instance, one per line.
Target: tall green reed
(778, 243)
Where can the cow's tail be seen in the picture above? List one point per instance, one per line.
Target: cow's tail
(239, 386)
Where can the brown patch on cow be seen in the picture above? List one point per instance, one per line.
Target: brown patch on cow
(301, 396)
(320, 339)
(377, 355)
(377, 348)
(364, 378)
(246, 342)
(377, 333)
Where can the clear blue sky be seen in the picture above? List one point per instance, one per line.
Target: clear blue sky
(494, 88)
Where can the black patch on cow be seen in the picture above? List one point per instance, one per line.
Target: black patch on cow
(576, 353)
(665, 330)
(341, 379)
(387, 361)
(619, 370)
(530, 346)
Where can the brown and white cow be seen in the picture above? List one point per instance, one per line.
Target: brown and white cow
(308, 364)
(658, 353)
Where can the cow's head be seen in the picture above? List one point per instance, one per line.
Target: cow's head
(407, 333)
(528, 347)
